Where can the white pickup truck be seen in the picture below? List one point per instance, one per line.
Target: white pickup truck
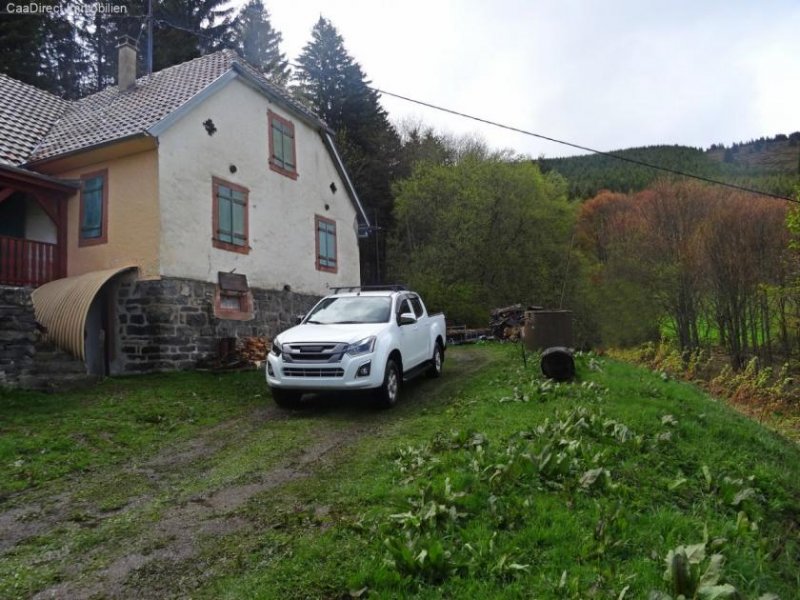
(357, 340)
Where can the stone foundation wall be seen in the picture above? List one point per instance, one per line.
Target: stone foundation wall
(169, 323)
(18, 335)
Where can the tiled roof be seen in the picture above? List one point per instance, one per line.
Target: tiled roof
(26, 114)
(110, 114)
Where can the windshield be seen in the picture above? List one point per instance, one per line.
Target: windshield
(351, 309)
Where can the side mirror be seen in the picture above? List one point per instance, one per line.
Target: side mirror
(298, 319)
(407, 319)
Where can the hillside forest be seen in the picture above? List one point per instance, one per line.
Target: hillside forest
(638, 254)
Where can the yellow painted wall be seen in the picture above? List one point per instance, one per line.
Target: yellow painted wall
(134, 223)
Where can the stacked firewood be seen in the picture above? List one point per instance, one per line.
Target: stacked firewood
(506, 323)
(253, 350)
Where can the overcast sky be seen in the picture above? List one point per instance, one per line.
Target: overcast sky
(606, 74)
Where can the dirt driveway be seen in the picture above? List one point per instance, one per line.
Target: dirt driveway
(136, 530)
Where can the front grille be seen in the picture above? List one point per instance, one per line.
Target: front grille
(312, 372)
(313, 352)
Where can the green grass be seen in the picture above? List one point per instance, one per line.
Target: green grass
(491, 482)
(45, 437)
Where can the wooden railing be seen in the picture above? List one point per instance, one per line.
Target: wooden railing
(26, 263)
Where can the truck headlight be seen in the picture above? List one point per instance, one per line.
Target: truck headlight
(364, 346)
(276, 348)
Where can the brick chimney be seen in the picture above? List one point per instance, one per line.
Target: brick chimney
(126, 63)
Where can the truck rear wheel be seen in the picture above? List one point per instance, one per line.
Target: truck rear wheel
(435, 370)
(389, 392)
(286, 398)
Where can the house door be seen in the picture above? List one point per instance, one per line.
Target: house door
(98, 333)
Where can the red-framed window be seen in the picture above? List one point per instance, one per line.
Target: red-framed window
(327, 259)
(230, 216)
(282, 151)
(93, 222)
(232, 298)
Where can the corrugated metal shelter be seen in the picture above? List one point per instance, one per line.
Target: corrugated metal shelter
(62, 306)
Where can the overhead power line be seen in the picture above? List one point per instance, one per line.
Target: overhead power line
(199, 34)
(634, 161)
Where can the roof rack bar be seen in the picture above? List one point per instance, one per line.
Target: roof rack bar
(396, 287)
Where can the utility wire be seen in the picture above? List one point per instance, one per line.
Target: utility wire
(634, 161)
(540, 136)
(199, 34)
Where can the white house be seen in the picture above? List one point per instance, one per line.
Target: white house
(161, 215)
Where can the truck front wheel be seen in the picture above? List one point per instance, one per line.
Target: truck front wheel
(389, 392)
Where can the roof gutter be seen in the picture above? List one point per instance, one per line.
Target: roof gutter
(104, 144)
(326, 137)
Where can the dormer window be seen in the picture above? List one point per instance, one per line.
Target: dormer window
(282, 154)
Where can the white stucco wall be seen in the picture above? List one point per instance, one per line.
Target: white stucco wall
(38, 226)
(281, 210)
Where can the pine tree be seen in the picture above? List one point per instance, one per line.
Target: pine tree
(321, 70)
(259, 43)
(20, 39)
(44, 50)
(186, 29)
(337, 89)
(103, 37)
(65, 68)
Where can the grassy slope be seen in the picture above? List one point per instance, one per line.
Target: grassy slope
(452, 463)
(519, 533)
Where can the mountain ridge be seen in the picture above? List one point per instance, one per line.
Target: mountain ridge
(768, 164)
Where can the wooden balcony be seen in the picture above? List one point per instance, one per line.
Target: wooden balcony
(27, 263)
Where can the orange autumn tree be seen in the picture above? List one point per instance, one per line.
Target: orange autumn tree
(707, 260)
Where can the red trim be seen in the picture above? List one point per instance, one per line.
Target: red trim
(27, 263)
(245, 303)
(103, 239)
(57, 211)
(317, 219)
(271, 116)
(215, 183)
(6, 193)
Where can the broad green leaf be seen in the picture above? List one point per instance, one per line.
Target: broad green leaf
(677, 483)
(669, 420)
(743, 495)
(590, 477)
(713, 572)
(695, 553)
(707, 476)
(715, 592)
